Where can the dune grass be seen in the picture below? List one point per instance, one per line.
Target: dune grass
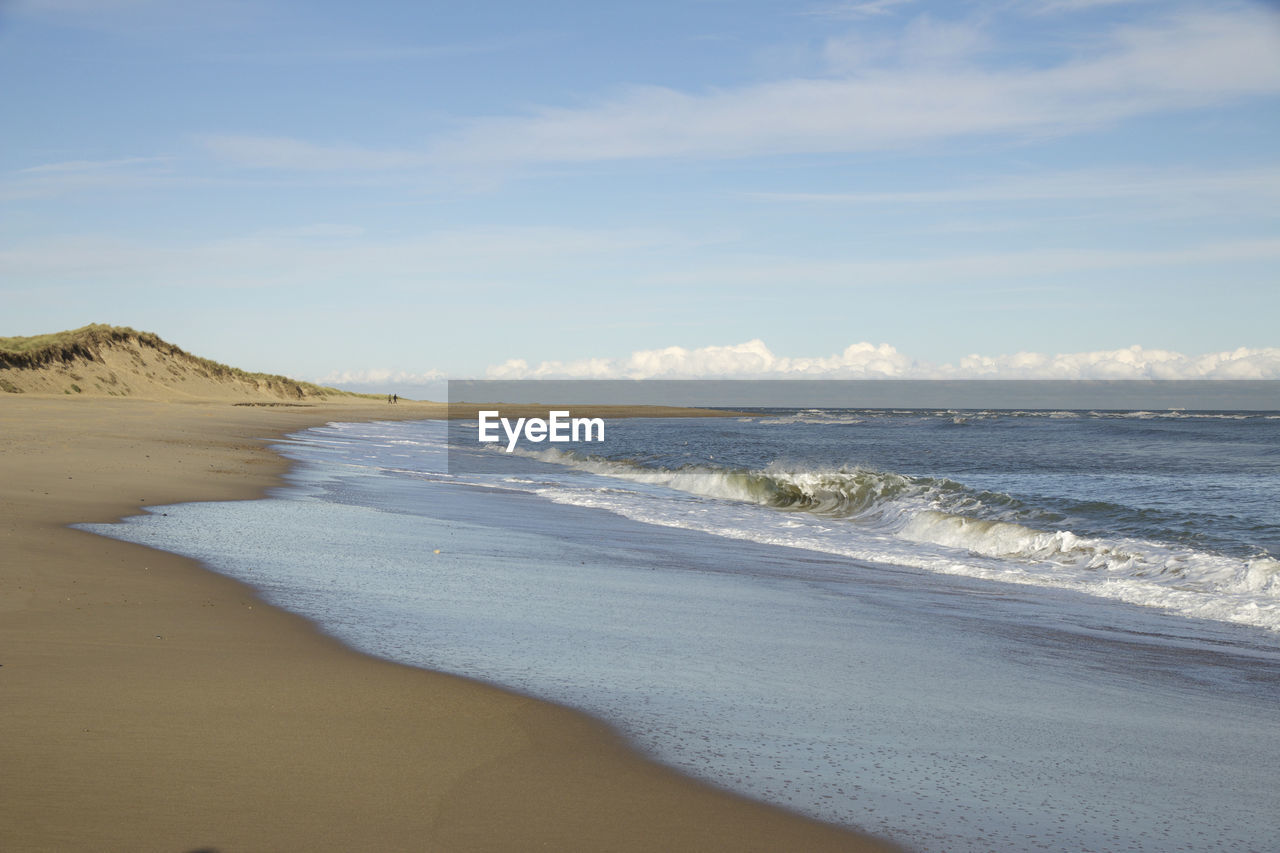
(88, 342)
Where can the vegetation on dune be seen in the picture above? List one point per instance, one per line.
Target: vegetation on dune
(87, 344)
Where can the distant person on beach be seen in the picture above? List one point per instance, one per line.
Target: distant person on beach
(395, 398)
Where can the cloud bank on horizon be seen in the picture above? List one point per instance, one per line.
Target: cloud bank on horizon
(754, 360)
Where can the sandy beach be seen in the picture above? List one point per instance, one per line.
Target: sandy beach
(150, 704)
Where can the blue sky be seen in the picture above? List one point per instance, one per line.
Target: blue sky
(396, 191)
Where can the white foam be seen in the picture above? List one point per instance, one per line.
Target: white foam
(890, 519)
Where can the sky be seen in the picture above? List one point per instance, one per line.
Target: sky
(379, 195)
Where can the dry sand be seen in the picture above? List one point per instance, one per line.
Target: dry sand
(147, 704)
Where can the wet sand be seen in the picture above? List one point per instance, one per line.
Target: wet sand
(150, 704)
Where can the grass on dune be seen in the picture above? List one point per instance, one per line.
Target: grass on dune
(88, 342)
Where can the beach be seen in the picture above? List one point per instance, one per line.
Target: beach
(856, 427)
(973, 638)
(150, 704)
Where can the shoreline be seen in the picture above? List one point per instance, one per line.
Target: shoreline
(152, 703)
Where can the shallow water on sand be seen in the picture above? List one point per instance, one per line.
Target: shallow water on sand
(945, 711)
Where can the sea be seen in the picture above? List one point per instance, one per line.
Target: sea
(965, 630)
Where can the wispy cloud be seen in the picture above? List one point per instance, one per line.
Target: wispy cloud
(858, 8)
(319, 231)
(958, 268)
(1262, 184)
(83, 7)
(82, 166)
(754, 360)
(131, 17)
(273, 152)
(360, 52)
(49, 180)
(559, 258)
(932, 83)
(1081, 5)
(1188, 60)
(314, 253)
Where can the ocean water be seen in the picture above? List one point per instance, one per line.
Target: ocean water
(968, 631)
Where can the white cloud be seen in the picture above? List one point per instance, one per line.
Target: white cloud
(1131, 363)
(750, 359)
(754, 360)
(1188, 60)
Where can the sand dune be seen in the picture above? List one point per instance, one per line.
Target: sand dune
(114, 361)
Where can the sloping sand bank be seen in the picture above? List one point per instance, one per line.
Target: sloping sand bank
(147, 704)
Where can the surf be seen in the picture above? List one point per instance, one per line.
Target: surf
(937, 524)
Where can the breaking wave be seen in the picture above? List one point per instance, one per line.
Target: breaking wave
(935, 524)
